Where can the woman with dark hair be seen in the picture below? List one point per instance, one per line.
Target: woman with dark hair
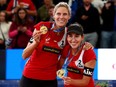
(14, 5)
(21, 29)
(78, 64)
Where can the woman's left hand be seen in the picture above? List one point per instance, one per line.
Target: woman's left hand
(67, 80)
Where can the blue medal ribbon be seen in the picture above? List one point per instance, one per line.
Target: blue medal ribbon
(58, 30)
(67, 61)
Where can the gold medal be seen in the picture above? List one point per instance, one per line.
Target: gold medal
(60, 73)
(43, 29)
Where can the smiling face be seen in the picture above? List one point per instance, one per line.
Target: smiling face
(74, 40)
(61, 17)
(61, 14)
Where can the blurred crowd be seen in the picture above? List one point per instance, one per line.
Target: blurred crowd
(18, 17)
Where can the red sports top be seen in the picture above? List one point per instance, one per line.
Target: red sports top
(76, 66)
(43, 62)
(26, 4)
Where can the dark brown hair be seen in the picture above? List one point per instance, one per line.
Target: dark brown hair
(6, 15)
(19, 21)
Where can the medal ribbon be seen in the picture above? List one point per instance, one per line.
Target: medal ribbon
(58, 30)
(67, 61)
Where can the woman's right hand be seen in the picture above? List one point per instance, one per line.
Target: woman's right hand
(37, 35)
(31, 46)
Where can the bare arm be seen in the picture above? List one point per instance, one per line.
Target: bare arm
(32, 46)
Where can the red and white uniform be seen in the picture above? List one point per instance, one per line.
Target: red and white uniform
(76, 66)
(42, 65)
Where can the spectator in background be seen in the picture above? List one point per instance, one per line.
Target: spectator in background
(50, 12)
(37, 3)
(74, 4)
(108, 34)
(21, 29)
(88, 16)
(99, 5)
(42, 12)
(27, 4)
(4, 28)
(3, 5)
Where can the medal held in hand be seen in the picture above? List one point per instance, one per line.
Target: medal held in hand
(43, 29)
(63, 72)
(60, 73)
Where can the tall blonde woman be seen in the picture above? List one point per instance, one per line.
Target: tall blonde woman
(44, 48)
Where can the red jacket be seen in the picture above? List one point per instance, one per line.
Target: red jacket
(20, 39)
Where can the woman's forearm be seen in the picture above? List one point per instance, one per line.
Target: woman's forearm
(29, 50)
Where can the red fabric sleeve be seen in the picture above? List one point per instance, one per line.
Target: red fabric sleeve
(10, 5)
(32, 6)
(89, 55)
(13, 30)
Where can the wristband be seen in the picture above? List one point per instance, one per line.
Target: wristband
(31, 40)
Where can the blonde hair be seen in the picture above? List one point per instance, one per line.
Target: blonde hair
(62, 4)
